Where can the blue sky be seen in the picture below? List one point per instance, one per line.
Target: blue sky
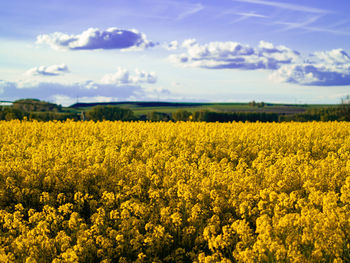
(225, 50)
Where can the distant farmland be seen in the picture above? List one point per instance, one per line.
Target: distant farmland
(144, 107)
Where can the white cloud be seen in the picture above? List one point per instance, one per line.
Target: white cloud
(53, 90)
(121, 85)
(123, 76)
(233, 55)
(94, 38)
(187, 43)
(277, 54)
(335, 56)
(173, 45)
(53, 70)
(325, 68)
(330, 68)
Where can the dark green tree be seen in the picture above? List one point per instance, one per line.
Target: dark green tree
(110, 113)
(158, 116)
(344, 109)
(10, 113)
(181, 115)
(34, 105)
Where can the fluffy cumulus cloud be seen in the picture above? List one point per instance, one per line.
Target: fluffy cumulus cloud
(118, 87)
(327, 68)
(53, 70)
(233, 55)
(124, 76)
(94, 38)
(330, 68)
(173, 45)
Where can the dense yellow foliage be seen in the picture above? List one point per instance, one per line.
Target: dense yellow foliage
(174, 192)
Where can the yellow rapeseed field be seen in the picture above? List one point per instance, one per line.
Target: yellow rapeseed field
(174, 192)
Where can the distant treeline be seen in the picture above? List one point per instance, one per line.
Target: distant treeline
(34, 109)
(339, 113)
(44, 111)
(10, 113)
(139, 104)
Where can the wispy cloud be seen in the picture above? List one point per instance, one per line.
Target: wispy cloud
(288, 6)
(244, 16)
(191, 11)
(307, 25)
(295, 25)
(251, 15)
(175, 9)
(239, 19)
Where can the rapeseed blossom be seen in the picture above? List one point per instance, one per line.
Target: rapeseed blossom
(174, 192)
